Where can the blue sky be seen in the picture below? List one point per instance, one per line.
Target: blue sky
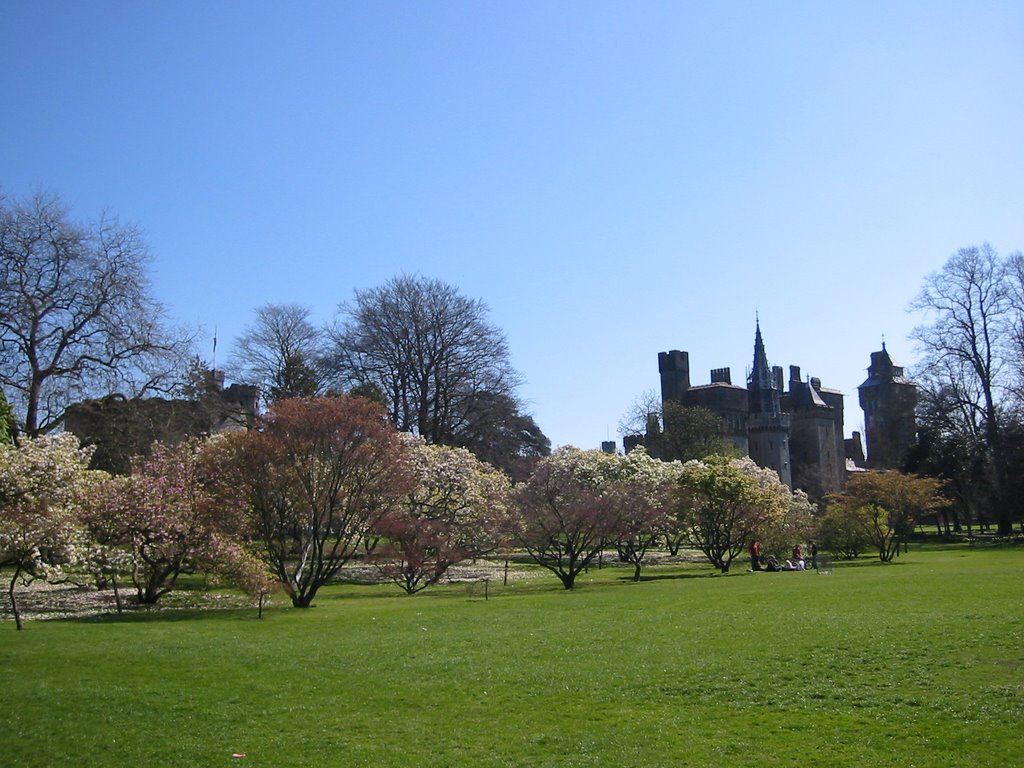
(612, 179)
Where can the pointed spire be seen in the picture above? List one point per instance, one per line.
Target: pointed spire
(762, 391)
(761, 373)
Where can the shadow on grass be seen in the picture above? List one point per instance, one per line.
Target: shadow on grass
(172, 615)
(864, 563)
(674, 576)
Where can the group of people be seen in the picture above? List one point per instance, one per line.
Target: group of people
(795, 562)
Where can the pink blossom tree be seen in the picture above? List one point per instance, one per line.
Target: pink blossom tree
(171, 516)
(568, 510)
(316, 476)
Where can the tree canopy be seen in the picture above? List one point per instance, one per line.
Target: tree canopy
(282, 353)
(972, 364)
(443, 368)
(316, 476)
(77, 317)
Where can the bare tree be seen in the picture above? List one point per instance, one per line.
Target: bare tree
(672, 431)
(965, 344)
(643, 414)
(1015, 280)
(429, 350)
(76, 314)
(281, 352)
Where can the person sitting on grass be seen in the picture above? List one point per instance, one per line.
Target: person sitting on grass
(794, 565)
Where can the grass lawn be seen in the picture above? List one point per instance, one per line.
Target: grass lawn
(919, 663)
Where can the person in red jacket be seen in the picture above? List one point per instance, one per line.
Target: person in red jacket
(755, 556)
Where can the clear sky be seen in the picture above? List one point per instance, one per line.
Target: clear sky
(612, 179)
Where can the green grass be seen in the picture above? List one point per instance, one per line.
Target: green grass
(919, 663)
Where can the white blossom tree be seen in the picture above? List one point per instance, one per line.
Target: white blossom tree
(40, 534)
(456, 510)
(722, 504)
(644, 491)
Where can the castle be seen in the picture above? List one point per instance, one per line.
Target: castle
(798, 432)
(888, 399)
(122, 428)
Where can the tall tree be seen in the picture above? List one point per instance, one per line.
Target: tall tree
(76, 314)
(951, 446)
(1015, 278)
(971, 318)
(431, 351)
(282, 352)
(497, 431)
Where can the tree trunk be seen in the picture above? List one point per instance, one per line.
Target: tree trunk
(117, 594)
(636, 571)
(14, 603)
(32, 410)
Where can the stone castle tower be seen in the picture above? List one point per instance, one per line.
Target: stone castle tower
(888, 399)
(767, 425)
(798, 433)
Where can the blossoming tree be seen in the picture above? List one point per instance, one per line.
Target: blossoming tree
(456, 510)
(722, 503)
(169, 514)
(643, 488)
(316, 476)
(568, 511)
(40, 533)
